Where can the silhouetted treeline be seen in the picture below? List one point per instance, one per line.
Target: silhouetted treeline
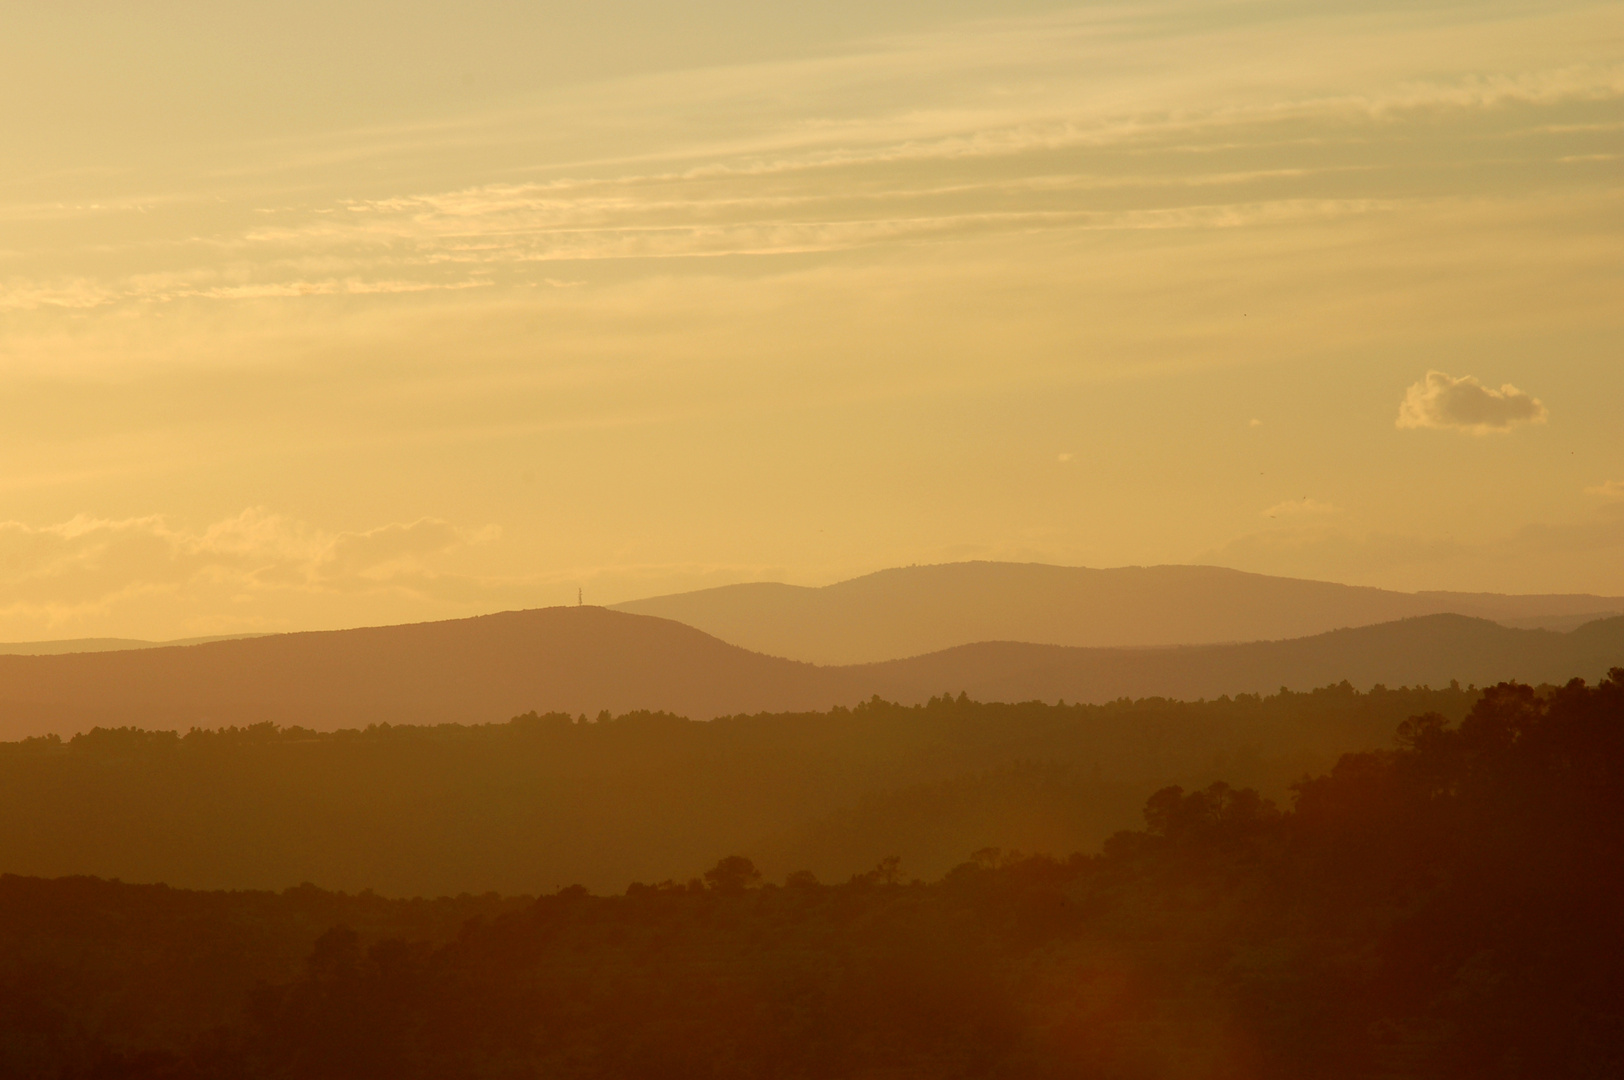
(546, 801)
(92, 969)
(1448, 908)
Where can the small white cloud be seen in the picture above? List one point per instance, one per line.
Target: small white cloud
(1464, 404)
(1301, 508)
(1612, 489)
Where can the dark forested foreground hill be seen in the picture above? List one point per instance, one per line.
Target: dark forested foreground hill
(87, 965)
(545, 801)
(585, 660)
(907, 611)
(1445, 909)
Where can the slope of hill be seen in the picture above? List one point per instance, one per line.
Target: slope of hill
(586, 660)
(1430, 650)
(919, 609)
(487, 668)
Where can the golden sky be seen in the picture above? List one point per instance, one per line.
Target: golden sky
(328, 314)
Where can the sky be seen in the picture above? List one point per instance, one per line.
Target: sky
(331, 314)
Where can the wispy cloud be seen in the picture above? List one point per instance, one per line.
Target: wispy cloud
(1578, 556)
(81, 570)
(263, 571)
(1611, 490)
(1104, 118)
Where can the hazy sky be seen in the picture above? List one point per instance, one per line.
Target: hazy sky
(326, 314)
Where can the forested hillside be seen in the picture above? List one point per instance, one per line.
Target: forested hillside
(1447, 908)
(89, 967)
(545, 801)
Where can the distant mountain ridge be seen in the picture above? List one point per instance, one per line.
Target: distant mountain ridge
(910, 611)
(588, 659)
(82, 645)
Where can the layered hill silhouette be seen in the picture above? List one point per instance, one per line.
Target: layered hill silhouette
(1430, 650)
(587, 660)
(488, 668)
(78, 645)
(919, 609)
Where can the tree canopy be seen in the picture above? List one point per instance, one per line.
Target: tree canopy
(1444, 908)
